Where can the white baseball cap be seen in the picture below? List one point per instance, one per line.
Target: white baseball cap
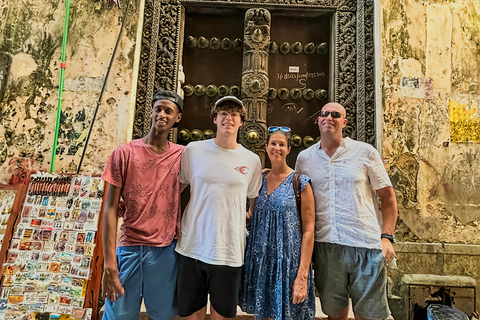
(229, 98)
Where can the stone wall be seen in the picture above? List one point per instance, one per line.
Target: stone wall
(431, 116)
(452, 260)
(31, 37)
(431, 102)
(431, 128)
(431, 72)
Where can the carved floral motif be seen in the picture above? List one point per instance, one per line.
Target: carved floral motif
(369, 74)
(346, 87)
(160, 48)
(255, 82)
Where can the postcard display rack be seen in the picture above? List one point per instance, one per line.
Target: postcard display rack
(48, 267)
(7, 200)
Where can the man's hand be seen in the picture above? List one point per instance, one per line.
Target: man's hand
(112, 288)
(299, 290)
(388, 251)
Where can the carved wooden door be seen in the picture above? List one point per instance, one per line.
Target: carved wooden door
(279, 66)
(324, 47)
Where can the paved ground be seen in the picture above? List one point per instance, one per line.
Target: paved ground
(319, 315)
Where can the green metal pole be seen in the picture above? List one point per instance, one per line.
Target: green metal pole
(60, 86)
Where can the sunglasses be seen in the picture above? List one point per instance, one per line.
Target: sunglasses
(276, 128)
(334, 114)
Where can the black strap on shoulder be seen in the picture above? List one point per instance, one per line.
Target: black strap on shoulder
(297, 186)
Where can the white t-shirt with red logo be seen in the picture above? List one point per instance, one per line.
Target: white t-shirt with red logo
(221, 180)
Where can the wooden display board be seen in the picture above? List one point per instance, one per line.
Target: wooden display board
(52, 249)
(8, 218)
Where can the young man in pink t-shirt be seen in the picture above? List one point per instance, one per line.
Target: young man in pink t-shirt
(144, 191)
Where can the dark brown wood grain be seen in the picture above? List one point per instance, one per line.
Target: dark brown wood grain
(21, 191)
(92, 295)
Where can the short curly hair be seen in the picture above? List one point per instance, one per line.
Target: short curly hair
(229, 106)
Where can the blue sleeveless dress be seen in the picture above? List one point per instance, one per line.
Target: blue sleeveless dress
(272, 257)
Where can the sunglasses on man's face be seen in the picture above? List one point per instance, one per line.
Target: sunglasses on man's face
(275, 129)
(334, 114)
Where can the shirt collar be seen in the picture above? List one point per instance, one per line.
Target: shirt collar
(345, 142)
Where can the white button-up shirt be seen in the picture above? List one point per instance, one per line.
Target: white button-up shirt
(346, 207)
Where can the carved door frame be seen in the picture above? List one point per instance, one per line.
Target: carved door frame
(353, 71)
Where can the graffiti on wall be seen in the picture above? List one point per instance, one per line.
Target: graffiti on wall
(72, 132)
(464, 122)
(414, 87)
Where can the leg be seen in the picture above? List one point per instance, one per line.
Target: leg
(331, 279)
(340, 315)
(128, 306)
(160, 281)
(192, 288)
(224, 288)
(198, 315)
(214, 315)
(358, 317)
(368, 286)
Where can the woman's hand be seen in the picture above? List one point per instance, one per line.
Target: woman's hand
(299, 289)
(308, 227)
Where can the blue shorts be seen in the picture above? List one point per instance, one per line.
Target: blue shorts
(149, 273)
(359, 273)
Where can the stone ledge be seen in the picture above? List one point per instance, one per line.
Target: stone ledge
(438, 280)
(441, 248)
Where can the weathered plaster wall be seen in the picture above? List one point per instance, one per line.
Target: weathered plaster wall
(431, 61)
(31, 35)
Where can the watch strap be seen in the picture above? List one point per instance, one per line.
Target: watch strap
(388, 236)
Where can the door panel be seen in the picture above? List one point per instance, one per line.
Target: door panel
(217, 51)
(299, 71)
(208, 62)
(351, 51)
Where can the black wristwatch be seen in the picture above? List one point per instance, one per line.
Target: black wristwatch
(388, 236)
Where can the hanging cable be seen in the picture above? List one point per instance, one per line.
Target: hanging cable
(103, 88)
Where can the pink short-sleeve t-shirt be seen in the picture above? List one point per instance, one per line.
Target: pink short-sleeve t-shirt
(150, 201)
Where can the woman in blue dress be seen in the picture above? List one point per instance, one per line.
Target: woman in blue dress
(278, 281)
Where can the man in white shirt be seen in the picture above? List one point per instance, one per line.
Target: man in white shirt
(353, 236)
(222, 174)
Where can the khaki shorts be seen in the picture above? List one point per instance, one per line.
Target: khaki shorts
(343, 272)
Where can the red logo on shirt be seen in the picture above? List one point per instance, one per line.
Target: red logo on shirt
(242, 169)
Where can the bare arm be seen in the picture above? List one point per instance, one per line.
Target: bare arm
(300, 285)
(250, 208)
(183, 186)
(111, 282)
(389, 214)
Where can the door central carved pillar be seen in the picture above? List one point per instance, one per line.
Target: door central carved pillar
(255, 84)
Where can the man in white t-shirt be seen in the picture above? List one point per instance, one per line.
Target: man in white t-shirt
(353, 236)
(222, 174)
